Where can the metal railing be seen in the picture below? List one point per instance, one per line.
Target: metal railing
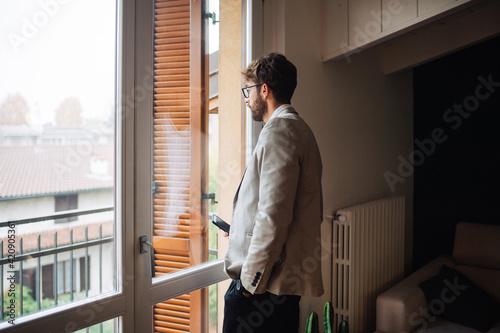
(39, 252)
(19, 256)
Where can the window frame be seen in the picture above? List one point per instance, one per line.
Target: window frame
(159, 289)
(119, 303)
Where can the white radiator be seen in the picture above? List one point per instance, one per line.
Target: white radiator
(368, 259)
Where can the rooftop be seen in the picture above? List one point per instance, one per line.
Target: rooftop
(37, 170)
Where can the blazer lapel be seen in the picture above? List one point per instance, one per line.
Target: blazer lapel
(238, 190)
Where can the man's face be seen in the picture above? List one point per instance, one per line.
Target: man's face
(255, 103)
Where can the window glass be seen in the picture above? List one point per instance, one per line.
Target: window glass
(57, 134)
(109, 326)
(195, 312)
(185, 157)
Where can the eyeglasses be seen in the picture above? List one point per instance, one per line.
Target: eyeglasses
(245, 91)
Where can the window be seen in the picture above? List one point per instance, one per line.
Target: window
(66, 271)
(48, 281)
(58, 133)
(173, 154)
(88, 114)
(29, 281)
(66, 202)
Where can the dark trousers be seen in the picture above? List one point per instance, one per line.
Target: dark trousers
(260, 313)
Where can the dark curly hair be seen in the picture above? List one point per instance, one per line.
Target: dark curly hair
(277, 72)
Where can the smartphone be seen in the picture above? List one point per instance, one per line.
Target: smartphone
(220, 223)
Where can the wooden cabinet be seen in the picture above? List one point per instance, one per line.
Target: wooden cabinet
(352, 25)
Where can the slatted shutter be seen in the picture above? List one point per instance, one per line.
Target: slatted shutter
(179, 226)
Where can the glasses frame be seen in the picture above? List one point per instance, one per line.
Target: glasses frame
(245, 91)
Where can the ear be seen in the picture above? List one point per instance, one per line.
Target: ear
(265, 91)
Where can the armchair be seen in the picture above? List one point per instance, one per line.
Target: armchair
(476, 255)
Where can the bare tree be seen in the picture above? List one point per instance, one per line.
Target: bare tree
(14, 110)
(69, 112)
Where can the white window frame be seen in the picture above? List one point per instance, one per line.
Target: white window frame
(120, 303)
(155, 290)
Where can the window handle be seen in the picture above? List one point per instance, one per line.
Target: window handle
(144, 241)
(209, 196)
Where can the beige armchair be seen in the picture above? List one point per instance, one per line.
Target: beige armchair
(476, 254)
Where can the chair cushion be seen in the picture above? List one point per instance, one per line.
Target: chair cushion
(455, 297)
(484, 278)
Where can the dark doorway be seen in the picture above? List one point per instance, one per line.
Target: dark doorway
(457, 100)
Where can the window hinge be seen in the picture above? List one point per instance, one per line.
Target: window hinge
(212, 16)
(153, 188)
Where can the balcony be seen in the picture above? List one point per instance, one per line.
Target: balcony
(44, 270)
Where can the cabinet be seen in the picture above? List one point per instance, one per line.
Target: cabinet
(352, 25)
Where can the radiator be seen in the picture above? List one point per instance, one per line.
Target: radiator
(368, 259)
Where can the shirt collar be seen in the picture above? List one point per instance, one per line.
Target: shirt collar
(279, 110)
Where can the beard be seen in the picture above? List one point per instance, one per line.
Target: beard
(258, 109)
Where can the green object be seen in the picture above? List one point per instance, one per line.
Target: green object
(344, 327)
(328, 317)
(312, 325)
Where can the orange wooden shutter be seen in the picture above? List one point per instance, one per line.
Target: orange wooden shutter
(179, 226)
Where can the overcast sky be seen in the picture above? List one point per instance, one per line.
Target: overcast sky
(54, 49)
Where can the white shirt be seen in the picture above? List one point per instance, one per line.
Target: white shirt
(279, 110)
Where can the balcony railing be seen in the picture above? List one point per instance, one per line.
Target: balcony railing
(14, 256)
(33, 252)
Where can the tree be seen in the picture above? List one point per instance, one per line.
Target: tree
(69, 112)
(14, 110)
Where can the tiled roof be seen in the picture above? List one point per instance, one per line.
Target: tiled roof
(43, 170)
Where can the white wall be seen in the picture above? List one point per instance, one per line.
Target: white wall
(96, 199)
(17, 208)
(45, 205)
(362, 119)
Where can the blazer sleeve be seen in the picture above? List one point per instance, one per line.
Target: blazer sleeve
(279, 169)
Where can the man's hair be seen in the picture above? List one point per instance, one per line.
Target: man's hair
(277, 72)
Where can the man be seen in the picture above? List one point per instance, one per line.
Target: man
(274, 248)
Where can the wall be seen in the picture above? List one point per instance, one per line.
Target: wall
(45, 205)
(16, 208)
(456, 179)
(93, 200)
(231, 152)
(362, 120)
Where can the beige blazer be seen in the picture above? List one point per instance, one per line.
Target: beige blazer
(274, 242)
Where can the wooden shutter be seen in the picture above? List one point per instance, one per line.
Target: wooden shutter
(179, 226)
